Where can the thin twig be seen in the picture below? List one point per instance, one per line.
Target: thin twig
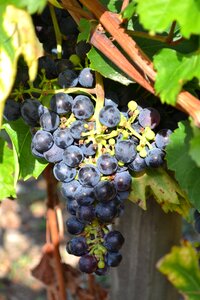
(170, 36)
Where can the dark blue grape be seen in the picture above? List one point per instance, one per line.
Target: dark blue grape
(74, 226)
(113, 259)
(155, 158)
(68, 26)
(82, 48)
(123, 195)
(85, 195)
(54, 154)
(42, 140)
(12, 110)
(162, 138)
(105, 191)
(64, 173)
(73, 156)
(103, 271)
(62, 65)
(36, 153)
(68, 78)
(196, 215)
(48, 65)
(109, 116)
(61, 103)
(137, 127)
(86, 78)
(31, 110)
(106, 212)
(111, 98)
(138, 164)
(78, 246)
(88, 264)
(89, 149)
(77, 128)
(72, 206)
(49, 121)
(113, 240)
(68, 189)
(122, 181)
(107, 164)
(85, 213)
(89, 175)
(149, 117)
(82, 107)
(63, 137)
(125, 151)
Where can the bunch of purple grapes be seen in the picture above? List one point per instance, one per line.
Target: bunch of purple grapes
(95, 155)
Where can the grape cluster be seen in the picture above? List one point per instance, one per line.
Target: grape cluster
(95, 153)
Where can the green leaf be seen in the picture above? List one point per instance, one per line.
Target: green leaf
(157, 15)
(55, 3)
(129, 11)
(26, 165)
(163, 187)
(113, 5)
(7, 188)
(181, 266)
(187, 172)
(17, 37)
(173, 70)
(85, 28)
(99, 63)
(195, 145)
(31, 6)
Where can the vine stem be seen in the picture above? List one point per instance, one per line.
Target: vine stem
(57, 31)
(124, 4)
(52, 227)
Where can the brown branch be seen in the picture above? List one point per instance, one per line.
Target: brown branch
(100, 41)
(111, 22)
(52, 226)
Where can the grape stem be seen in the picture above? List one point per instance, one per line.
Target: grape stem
(57, 31)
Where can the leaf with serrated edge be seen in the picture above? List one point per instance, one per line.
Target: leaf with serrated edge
(187, 173)
(7, 188)
(195, 145)
(85, 28)
(173, 70)
(20, 136)
(163, 187)
(17, 37)
(157, 15)
(181, 266)
(99, 63)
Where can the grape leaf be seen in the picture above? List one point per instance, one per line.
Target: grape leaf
(99, 63)
(113, 5)
(187, 172)
(181, 266)
(163, 187)
(17, 37)
(129, 11)
(26, 165)
(195, 145)
(173, 70)
(85, 27)
(7, 188)
(31, 6)
(157, 15)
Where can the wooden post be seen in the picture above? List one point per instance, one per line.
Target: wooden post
(149, 235)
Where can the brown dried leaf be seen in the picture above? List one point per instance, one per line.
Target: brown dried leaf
(44, 270)
(72, 278)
